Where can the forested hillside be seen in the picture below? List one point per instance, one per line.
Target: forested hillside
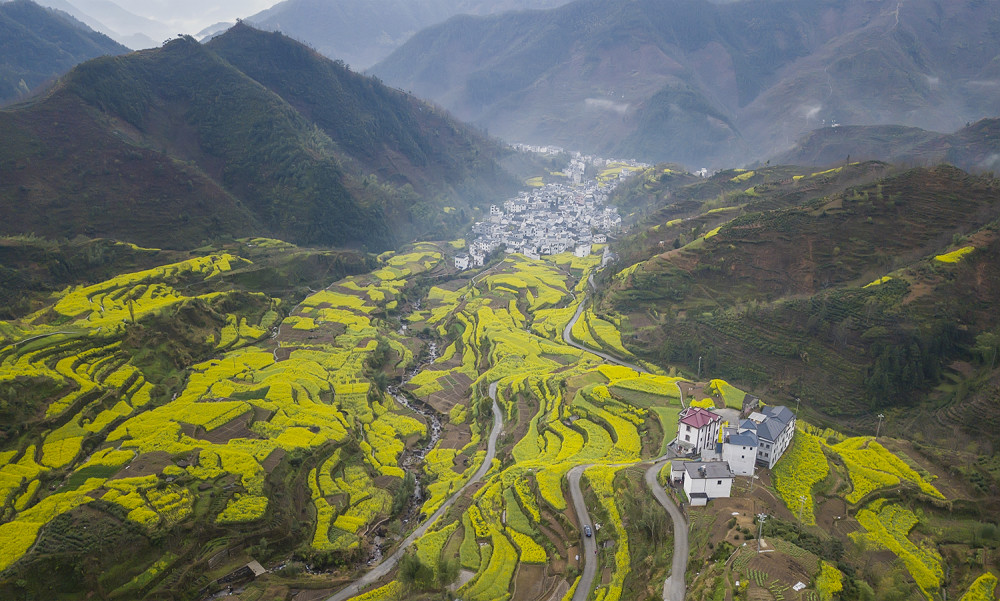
(172, 146)
(859, 289)
(39, 44)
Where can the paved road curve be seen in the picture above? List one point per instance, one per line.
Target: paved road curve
(589, 543)
(568, 339)
(388, 564)
(673, 588)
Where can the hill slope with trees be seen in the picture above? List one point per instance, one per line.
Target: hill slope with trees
(39, 44)
(175, 145)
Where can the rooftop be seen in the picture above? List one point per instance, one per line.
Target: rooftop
(705, 470)
(743, 439)
(697, 418)
(769, 423)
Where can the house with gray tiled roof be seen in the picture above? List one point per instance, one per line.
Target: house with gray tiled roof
(704, 481)
(739, 450)
(774, 427)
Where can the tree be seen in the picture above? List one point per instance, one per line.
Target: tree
(413, 574)
(987, 348)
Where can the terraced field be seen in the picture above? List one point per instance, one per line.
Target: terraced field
(279, 441)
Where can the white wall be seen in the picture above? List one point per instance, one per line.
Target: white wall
(740, 458)
(715, 488)
(700, 439)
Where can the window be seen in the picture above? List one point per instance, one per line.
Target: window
(687, 437)
(719, 482)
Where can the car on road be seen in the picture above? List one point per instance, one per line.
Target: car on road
(587, 530)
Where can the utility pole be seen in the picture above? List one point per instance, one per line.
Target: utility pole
(699, 366)
(797, 400)
(802, 503)
(760, 528)
(753, 476)
(878, 428)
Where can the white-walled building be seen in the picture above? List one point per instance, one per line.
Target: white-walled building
(462, 261)
(774, 427)
(698, 429)
(739, 450)
(704, 481)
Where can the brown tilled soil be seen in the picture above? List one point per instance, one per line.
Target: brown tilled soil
(724, 508)
(781, 568)
(443, 400)
(830, 513)
(234, 428)
(455, 437)
(532, 583)
(554, 532)
(147, 464)
(273, 459)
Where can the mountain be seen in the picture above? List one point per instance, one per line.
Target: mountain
(116, 22)
(39, 44)
(172, 146)
(974, 148)
(363, 32)
(702, 83)
(834, 286)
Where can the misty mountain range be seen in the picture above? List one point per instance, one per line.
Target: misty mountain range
(707, 84)
(697, 82)
(38, 45)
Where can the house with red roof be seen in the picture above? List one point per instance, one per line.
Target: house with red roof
(698, 429)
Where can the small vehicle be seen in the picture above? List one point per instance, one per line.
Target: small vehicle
(588, 531)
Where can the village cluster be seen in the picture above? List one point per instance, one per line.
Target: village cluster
(554, 218)
(761, 436)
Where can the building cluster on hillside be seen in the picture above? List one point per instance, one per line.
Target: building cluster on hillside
(760, 438)
(553, 219)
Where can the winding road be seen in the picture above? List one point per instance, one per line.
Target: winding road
(389, 563)
(589, 542)
(673, 587)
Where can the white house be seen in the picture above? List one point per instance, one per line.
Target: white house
(698, 429)
(462, 261)
(739, 450)
(478, 260)
(582, 250)
(706, 481)
(774, 427)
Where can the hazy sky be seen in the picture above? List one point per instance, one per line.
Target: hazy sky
(191, 16)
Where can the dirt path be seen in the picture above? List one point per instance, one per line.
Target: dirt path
(389, 564)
